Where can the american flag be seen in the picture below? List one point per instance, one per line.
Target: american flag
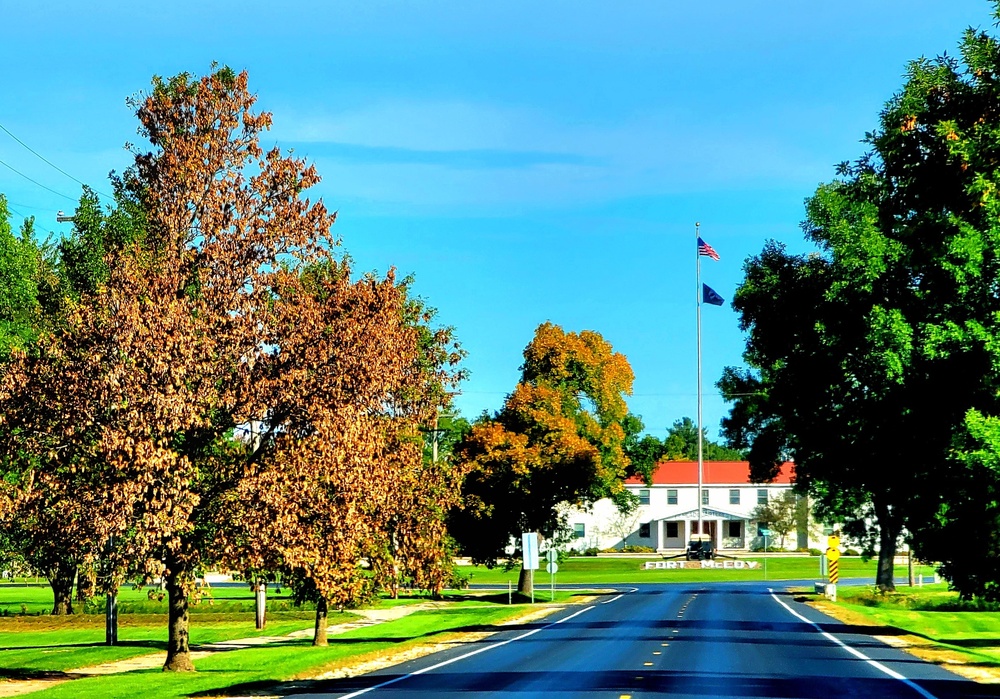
(707, 250)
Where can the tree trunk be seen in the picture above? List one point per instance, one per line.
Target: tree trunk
(178, 649)
(888, 534)
(61, 579)
(319, 638)
(526, 582)
(85, 583)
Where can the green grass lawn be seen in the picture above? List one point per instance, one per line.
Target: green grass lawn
(37, 599)
(33, 641)
(596, 571)
(935, 613)
(256, 668)
(35, 644)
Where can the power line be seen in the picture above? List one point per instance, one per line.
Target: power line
(29, 206)
(36, 182)
(47, 161)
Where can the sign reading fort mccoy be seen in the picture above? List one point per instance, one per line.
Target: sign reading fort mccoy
(722, 565)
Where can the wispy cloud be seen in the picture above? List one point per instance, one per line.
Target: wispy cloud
(461, 154)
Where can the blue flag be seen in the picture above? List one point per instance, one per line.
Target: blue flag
(709, 296)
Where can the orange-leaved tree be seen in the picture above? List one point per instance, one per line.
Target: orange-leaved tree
(559, 438)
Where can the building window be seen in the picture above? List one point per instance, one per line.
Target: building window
(734, 496)
(672, 530)
(694, 527)
(761, 526)
(827, 530)
(734, 529)
(644, 497)
(579, 530)
(671, 497)
(704, 496)
(762, 496)
(644, 530)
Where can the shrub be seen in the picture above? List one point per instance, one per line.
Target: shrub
(815, 552)
(851, 552)
(592, 551)
(639, 549)
(457, 580)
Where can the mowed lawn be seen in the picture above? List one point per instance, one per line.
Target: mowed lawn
(33, 642)
(588, 570)
(934, 613)
(258, 668)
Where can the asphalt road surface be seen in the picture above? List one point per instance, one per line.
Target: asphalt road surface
(684, 641)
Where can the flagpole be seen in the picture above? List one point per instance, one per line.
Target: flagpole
(697, 232)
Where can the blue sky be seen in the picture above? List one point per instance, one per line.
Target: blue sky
(525, 161)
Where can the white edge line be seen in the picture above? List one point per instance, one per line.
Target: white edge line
(627, 592)
(421, 671)
(855, 652)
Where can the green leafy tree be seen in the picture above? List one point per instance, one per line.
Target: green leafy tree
(21, 268)
(681, 444)
(782, 515)
(868, 356)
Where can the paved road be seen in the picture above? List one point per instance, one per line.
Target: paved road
(685, 641)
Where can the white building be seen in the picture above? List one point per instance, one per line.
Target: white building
(668, 510)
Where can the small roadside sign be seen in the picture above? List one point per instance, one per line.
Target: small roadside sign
(765, 532)
(552, 567)
(529, 545)
(833, 541)
(832, 555)
(551, 555)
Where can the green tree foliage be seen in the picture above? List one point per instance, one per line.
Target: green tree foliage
(782, 515)
(22, 271)
(681, 444)
(868, 355)
(560, 437)
(96, 233)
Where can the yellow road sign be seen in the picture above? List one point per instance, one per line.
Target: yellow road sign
(834, 572)
(833, 541)
(832, 555)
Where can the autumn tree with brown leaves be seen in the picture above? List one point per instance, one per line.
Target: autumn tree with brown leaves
(228, 311)
(558, 438)
(346, 479)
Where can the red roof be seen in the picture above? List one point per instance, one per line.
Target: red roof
(713, 473)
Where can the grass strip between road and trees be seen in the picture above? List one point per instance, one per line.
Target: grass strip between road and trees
(931, 622)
